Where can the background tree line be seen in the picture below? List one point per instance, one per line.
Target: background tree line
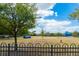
(74, 34)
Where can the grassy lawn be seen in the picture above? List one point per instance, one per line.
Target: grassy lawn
(38, 39)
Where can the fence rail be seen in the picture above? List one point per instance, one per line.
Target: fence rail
(38, 50)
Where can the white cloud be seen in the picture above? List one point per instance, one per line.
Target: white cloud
(72, 28)
(62, 29)
(44, 13)
(51, 25)
(56, 14)
(45, 6)
(44, 9)
(52, 22)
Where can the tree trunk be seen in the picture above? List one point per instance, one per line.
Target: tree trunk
(15, 37)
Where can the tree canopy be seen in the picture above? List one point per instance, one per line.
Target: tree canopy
(16, 17)
(75, 15)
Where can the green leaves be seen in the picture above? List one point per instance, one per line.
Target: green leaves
(17, 16)
(75, 15)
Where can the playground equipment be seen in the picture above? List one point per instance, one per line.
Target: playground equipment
(67, 34)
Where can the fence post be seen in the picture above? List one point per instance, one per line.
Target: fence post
(51, 50)
(8, 49)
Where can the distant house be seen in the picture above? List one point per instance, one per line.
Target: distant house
(67, 34)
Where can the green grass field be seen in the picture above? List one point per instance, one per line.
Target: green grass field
(39, 39)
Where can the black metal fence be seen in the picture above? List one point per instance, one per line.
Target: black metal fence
(39, 50)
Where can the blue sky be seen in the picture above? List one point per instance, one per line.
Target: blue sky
(63, 10)
(55, 17)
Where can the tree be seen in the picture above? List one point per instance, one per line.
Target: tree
(24, 32)
(74, 15)
(16, 17)
(32, 33)
(3, 31)
(42, 33)
(75, 34)
(47, 34)
(59, 34)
